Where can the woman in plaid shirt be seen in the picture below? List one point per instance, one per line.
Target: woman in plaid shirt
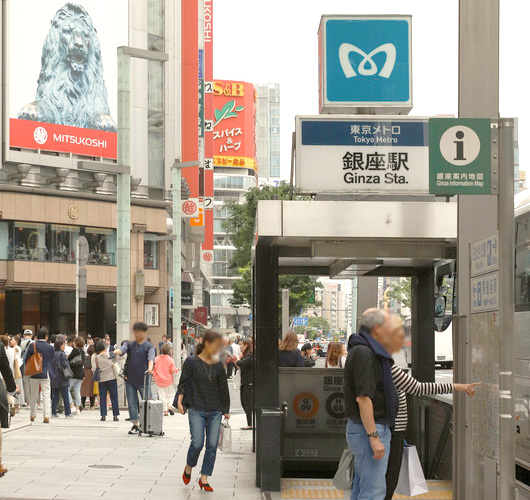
(203, 390)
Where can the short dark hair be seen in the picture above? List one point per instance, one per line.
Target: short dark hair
(140, 326)
(42, 333)
(58, 343)
(79, 342)
(165, 349)
(164, 336)
(101, 346)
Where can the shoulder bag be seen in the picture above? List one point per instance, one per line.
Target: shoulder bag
(97, 374)
(34, 363)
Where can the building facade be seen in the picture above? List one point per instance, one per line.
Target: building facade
(47, 200)
(268, 130)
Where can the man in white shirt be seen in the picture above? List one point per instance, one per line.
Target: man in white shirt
(236, 349)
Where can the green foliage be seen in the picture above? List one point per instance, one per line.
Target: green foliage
(401, 292)
(240, 226)
(317, 322)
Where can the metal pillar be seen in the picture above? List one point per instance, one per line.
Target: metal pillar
(480, 216)
(366, 296)
(123, 193)
(506, 309)
(177, 265)
(423, 325)
(353, 304)
(285, 311)
(123, 185)
(266, 388)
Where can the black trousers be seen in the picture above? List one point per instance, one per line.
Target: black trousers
(246, 402)
(394, 463)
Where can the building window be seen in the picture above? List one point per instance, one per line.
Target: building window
(101, 246)
(29, 241)
(150, 252)
(61, 242)
(6, 242)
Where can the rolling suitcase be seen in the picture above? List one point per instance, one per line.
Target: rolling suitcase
(151, 414)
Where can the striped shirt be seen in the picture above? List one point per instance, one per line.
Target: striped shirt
(406, 384)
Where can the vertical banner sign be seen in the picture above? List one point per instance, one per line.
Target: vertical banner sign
(207, 159)
(190, 96)
(460, 156)
(234, 124)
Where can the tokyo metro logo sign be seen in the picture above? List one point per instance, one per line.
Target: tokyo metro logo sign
(387, 48)
(365, 61)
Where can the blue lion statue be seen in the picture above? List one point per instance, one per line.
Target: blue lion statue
(71, 89)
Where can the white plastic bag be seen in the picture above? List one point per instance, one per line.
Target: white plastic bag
(411, 479)
(236, 381)
(343, 478)
(225, 437)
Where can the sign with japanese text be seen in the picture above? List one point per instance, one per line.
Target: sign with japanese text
(485, 293)
(485, 255)
(361, 155)
(460, 156)
(234, 124)
(315, 397)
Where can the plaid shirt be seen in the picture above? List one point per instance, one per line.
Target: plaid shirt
(204, 386)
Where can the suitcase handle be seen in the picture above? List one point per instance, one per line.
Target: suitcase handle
(147, 395)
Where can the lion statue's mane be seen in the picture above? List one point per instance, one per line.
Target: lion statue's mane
(71, 87)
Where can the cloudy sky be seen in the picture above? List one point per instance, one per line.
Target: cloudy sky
(275, 41)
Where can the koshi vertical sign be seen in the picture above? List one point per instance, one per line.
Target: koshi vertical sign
(461, 160)
(365, 64)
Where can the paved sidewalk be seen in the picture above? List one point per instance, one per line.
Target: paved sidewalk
(85, 459)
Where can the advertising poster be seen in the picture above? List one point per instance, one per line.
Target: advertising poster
(63, 75)
(234, 124)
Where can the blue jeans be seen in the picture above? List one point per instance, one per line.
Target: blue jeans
(369, 482)
(201, 422)
(132, 400)
(75, 386)
(55, 399)
(110, 386)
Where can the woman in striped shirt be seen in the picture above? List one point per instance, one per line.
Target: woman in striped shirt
(406, 384)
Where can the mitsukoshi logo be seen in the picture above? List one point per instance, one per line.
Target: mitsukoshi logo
(367, 66)
(40, 135)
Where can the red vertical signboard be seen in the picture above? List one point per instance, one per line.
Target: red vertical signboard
(207, 246)
(190, 96)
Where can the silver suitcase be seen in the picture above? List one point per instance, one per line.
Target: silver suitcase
(151, 415)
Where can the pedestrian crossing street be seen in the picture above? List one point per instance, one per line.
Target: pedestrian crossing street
(301, 489)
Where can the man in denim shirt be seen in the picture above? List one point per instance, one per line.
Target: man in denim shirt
(140, 359)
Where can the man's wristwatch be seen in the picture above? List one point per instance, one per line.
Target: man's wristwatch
(374, 434)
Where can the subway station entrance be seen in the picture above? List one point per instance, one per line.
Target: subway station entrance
(339, 239)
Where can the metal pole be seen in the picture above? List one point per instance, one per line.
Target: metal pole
(354, 305)
(285, 311)
(506, 308)
(123, 188)
(177, 265)
(77, 288)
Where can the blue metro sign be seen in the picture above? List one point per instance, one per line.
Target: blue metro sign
(365, 61)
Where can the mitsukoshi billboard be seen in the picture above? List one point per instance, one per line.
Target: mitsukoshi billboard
(63, 75)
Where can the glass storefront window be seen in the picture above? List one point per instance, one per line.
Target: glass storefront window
(29, 241)
(6, 241)
(61, 242)
(150, 252)
(101, 246)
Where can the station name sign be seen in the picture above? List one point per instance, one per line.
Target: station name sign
(348, 155)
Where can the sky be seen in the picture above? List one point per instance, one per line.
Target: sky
(275, 41)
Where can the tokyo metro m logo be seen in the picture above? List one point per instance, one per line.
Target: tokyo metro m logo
(367, 67)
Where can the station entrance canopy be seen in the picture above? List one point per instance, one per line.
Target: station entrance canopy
(341, 239)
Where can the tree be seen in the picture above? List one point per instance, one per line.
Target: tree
(401, 292)
(240, 226)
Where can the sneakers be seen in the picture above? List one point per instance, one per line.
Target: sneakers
(134, 430)
(70, 416)
(54, 415)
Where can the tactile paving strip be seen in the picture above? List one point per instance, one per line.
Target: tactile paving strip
(295, 489)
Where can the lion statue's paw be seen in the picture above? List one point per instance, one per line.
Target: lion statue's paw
(33, 112)
(104, 122)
